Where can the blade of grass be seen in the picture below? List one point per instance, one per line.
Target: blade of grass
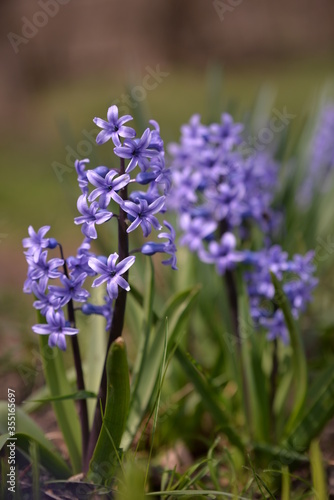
(318, 472)
(285, 493)
(298, 356)
(259, 481)
(157, 404)
(34, 455)
(194, 493)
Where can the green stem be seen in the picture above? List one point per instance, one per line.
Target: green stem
(273, 388)
(83, 411)
(116, 325)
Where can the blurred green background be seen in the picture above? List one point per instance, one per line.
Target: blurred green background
(61, 65)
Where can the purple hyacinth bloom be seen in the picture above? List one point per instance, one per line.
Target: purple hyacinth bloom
(71, 289)
(79, 264)
(146, 177)
(111, 273)
(302, 265)
(150, 195)
(223, 254)
(156, 141)
(138, 151)
(45, 301)
(194, 133)
(42, 270)
(227, 133)
(57, 329)
(36, 241)
(277, 260)
(114, 127)
(104, 310)
(276, 327)
(91, 215)
(168, 247)
(106, 186)
(195, 230)
(226, 201)
(163, 175)
(142, 213)
(80, 166)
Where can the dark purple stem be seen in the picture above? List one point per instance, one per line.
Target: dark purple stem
(83, 413)
(116, 325)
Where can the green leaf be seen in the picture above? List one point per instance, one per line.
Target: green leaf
(35, 465)
(66, 413)
(147, 305)
(93, 340)
(209, 398)
(280, 453)
(32, 403)
(176, 312)
(195, 493)
(255, 392)
(51, 460)
(27, 430)
(74, 396)
(318, 472)
(298, 355)
(317, 413)
(105, 456)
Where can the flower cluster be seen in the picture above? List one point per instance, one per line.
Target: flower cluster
(297, 280)
(216, 185)
(100, 188)
(220, 191)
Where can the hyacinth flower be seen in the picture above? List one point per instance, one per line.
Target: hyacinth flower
(142, 213)
(41, 270)
(56, 328)
(138, 151)
(114, 128)
(91, 215)
(169, 247)
(137, 200)
(111, 273)
(220, 191)
(71, 289)
(106, 186)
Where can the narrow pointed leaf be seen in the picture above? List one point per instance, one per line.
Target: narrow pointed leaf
(105, 456)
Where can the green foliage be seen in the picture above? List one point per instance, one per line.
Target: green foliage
(106, 453)
(27, 432)
(65, 411)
